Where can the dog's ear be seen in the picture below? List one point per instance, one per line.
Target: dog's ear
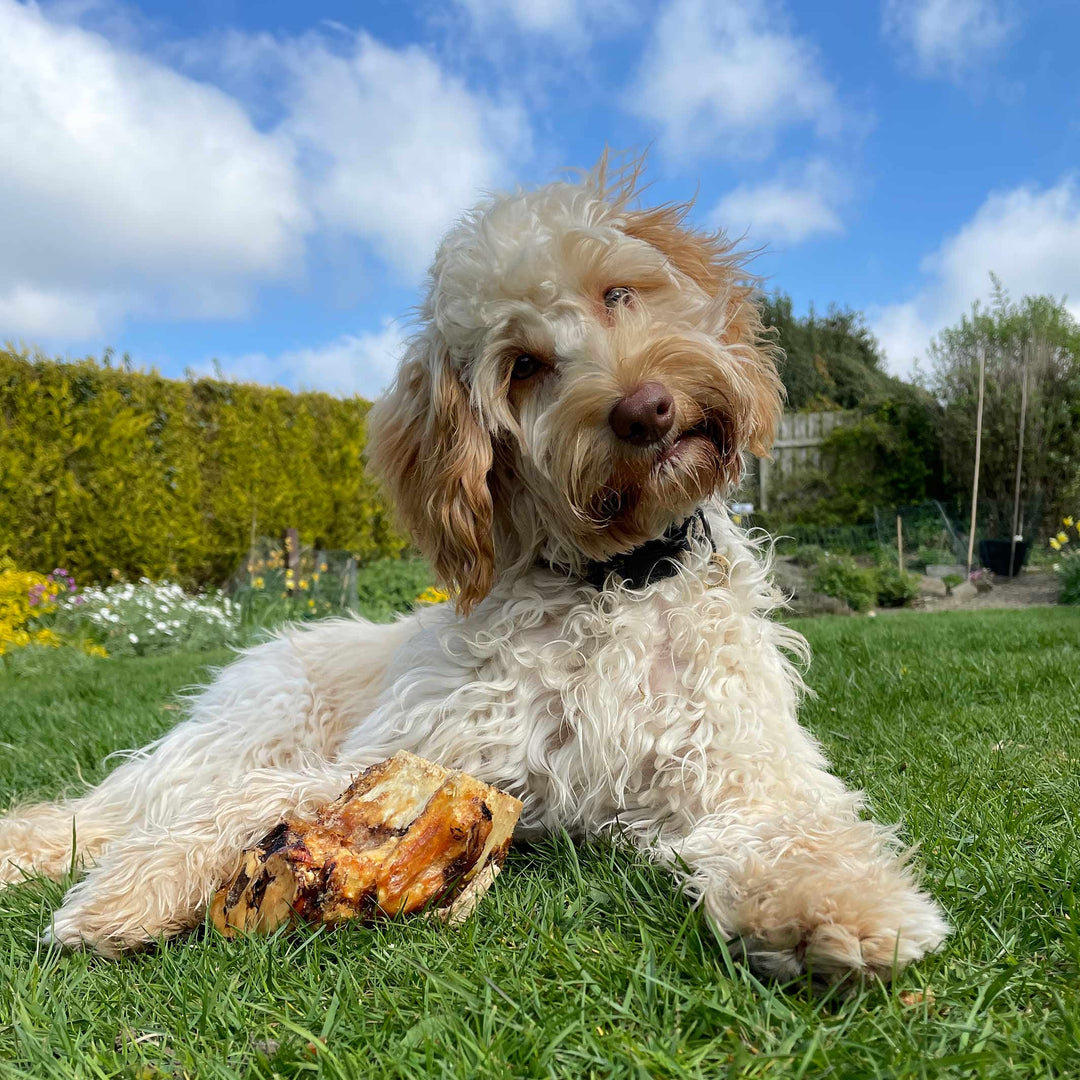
(767, 391)
(712, 262)
(427, 444)
(708, 259)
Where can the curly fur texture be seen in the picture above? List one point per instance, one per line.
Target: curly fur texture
(669, 712)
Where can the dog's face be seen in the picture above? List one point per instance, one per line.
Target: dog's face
(586, 375)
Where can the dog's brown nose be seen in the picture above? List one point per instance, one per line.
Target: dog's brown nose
(645, 416)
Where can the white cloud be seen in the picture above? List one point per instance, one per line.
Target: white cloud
(568, 20)
(131, 189)
(361, 364)
(128, 188)
(723, 76)
(1029, 237)
(395, 148)
(788, 209)
(947, 37)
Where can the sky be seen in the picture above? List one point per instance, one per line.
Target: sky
(256, 188)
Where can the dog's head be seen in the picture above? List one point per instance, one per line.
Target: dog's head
(586, 374)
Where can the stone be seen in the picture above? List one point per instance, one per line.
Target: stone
(932, 586)
(966, 591)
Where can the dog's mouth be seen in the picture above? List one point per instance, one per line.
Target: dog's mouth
(705, 439)
(672, 478)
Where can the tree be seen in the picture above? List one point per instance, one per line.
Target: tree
(830, 361)
(1037, 332)
(887, 456)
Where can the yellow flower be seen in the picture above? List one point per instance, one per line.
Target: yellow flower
(1055, 543)
(258, 583)
(432, 595)
(303, 584)
(315, 577)
(737, 518)
(311, 603)
(1067, 521)
(1062, 538)
(322, 567)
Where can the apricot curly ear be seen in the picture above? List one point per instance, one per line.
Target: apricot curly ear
(767, 393)
(427, 444)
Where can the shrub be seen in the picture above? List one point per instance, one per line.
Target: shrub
(133, 620)
(808, 555)
(1069, 569)
(1067, 544)
(840, 576)
(950, 581)
(932, 556)
(29, 606)
(895, 589)
(269, 592)
(389, 586)
(105, 469)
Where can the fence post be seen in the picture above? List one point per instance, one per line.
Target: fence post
(900, 541)
(978, 454)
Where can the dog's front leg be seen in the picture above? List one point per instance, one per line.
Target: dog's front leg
(813, 887)
(155, 881)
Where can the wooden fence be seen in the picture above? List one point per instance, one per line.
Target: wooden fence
(798, 441)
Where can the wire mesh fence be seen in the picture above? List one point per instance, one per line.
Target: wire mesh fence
(928, 534)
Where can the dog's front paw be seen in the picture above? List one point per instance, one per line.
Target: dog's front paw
(107, 914)
(78, 925)
(835, 928)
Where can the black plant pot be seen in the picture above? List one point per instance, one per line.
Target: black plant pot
(994, 555)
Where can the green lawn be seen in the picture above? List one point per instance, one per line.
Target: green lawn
(584, 962)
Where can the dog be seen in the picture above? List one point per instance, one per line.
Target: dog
(586, 379)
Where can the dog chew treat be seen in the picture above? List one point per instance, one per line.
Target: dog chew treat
(405, 835)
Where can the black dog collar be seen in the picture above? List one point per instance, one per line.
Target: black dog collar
(654, 560)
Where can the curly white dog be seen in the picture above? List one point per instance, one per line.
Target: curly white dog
(559, 440)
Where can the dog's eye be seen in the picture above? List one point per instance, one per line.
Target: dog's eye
(619, 296)
(525, 367)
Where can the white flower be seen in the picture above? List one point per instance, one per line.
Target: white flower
(133, 638)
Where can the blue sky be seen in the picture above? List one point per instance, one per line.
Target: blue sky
(263, 183)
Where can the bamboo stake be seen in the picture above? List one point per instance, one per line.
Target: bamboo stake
(900, 542)
(1019, 459)
(978, 456)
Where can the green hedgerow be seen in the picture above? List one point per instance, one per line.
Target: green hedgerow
(118, 473)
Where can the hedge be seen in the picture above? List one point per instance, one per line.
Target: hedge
(112, 472)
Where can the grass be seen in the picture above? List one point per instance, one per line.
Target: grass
(584, 962)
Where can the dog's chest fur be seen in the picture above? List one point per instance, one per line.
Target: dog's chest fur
(592, 704)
